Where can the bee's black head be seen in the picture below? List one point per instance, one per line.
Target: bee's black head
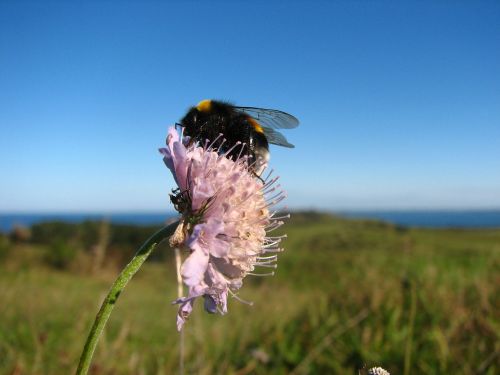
(195, 120)
(190, 120)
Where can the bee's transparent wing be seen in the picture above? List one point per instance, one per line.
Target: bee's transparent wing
(271, 118)
(276, 138)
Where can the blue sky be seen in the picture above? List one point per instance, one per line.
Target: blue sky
(399, 103)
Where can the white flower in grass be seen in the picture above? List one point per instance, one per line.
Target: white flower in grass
(377, 371)
(226, 217)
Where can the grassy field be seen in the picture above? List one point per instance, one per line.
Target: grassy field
(346, 294)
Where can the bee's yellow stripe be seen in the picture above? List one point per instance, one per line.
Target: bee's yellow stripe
(256, 125)
(204, 105)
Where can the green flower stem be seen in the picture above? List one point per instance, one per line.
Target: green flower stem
(117, 287)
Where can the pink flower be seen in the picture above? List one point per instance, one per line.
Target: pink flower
(225, 219)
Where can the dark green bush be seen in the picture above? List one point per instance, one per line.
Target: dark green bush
(4, 247)
(44, 233)
(60, 254)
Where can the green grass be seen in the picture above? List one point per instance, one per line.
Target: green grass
(347, 293)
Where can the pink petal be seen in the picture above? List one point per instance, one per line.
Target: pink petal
(194, 267)
(210, 305)
(184, 312)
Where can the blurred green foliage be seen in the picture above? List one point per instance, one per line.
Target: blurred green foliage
(85, 234)
(346, 293)
(60, 254)
(4, 247)
(122, 242)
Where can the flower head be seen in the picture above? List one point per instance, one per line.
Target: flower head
(226, 216)
(377, 371)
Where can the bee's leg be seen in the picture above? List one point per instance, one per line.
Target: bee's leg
(260, 178)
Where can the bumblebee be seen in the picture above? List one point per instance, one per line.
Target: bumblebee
(255, 127)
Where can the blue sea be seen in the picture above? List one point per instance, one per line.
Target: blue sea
(428, 219)
(432, 218)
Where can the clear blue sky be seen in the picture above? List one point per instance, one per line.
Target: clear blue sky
(399, 103)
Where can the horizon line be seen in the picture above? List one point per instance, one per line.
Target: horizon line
(298, 209)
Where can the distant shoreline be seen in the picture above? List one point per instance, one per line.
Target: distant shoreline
(409, 218)
(431, 218)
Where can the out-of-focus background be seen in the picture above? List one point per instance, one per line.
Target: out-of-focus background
(393, 249)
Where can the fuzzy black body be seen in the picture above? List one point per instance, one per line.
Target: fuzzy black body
(211, 118)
